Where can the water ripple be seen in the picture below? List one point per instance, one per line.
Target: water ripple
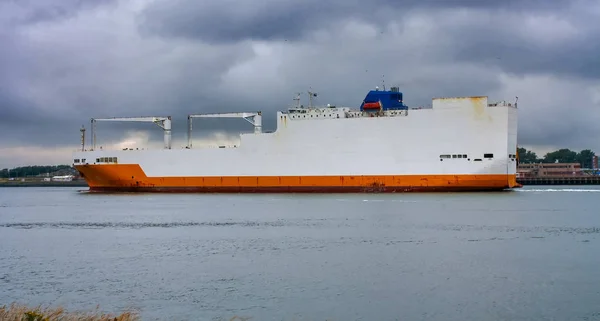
(138, 225)
(519, 229)
(568, 190)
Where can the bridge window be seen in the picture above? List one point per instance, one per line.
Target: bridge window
(106, 160)
(454, 156)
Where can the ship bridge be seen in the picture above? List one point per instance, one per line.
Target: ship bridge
(382, 100)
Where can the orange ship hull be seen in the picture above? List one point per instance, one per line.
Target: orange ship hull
(131, 178)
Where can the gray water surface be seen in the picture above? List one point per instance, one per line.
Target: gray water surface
(532, 254)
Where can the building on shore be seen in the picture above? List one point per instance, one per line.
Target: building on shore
(63, 178)
(549, 170)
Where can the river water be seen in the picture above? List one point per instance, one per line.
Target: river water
(531, 254)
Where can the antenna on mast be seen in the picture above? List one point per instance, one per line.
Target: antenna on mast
(383, 82)
(297, 99)
(311, 94)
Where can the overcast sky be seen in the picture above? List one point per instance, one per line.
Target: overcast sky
(64, 61)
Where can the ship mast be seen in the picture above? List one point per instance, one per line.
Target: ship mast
(82, 130)
(311, 94)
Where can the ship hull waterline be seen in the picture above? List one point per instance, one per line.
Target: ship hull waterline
(132, 179)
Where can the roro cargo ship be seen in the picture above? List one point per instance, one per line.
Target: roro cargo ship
(458, 144)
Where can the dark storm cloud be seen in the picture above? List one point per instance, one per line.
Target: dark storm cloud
(563, 43)
(56, 77)
(23, 123)
(23, 116)
(24, 12)
(12, 109)
(491, 32)
(232, 21)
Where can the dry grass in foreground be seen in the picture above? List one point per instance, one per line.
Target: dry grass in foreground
(23, 313)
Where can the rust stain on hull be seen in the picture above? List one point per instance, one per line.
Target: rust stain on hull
(478, 105)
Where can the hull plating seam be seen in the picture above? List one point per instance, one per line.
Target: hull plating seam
(131, 178)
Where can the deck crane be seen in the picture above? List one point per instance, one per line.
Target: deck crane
(255, 118)
(162, 122)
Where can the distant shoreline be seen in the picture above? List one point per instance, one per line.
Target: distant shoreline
(15, 183)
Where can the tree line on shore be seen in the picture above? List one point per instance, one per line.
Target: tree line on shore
(25, 171)
(563, 155)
